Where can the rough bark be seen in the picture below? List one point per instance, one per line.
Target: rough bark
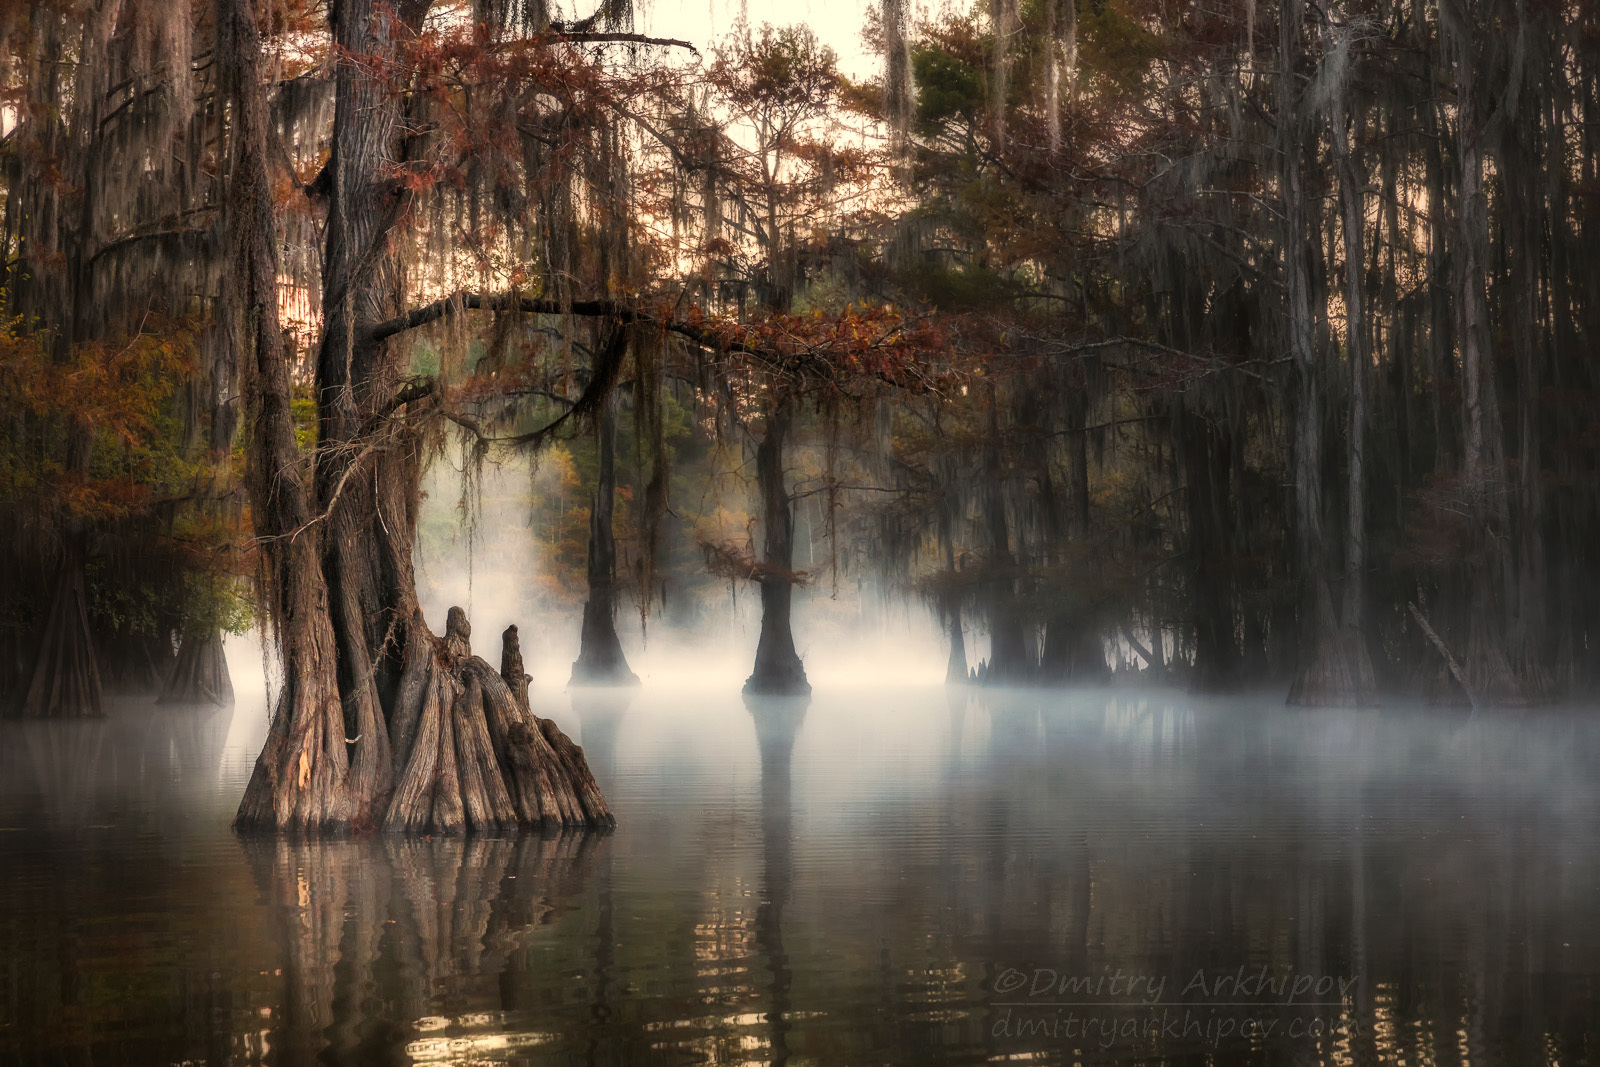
(778, 670)
(600, 657)
(1009, 661)
(474, 756)
(379, 723)
(300, 776)
(200, 673)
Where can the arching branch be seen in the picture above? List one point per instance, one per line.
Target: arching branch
(625, 38)
(806, 358)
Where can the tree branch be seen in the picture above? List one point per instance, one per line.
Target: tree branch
(592, 37)
(797, 362)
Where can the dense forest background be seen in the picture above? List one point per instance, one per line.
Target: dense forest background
(1231, 343)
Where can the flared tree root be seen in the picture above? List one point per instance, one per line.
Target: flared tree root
(1337, 674)
(601, 661)
(778, 677)
(65, 680)
(467, 754)
(199, 675)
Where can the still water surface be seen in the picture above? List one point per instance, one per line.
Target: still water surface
(876, 876)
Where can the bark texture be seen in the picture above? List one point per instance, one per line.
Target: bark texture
(470, 754)
(379, 723)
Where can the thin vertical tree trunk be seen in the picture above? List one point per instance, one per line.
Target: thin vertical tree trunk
(1009, 661)
(778, 670)
(1208, 477)
(1526, 259)
(1352, 633)
(600, 657)
(1326, 675)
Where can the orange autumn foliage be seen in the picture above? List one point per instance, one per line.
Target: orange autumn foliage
(113, 398)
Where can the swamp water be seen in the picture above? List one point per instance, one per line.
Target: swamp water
(876, 876)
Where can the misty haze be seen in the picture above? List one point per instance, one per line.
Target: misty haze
(712, 531)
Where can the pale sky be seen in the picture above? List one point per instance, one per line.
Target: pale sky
(837, 23)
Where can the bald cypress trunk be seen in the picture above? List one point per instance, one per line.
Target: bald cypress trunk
(600, 657)
(379, 723)
(64, 681)
(53, 294)
(778, 670)
(955, 672)
(1009, 660)
(1205, 449)
(199, 674)
(1360, 686)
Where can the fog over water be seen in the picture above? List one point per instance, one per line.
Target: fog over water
(884, 874)
(478, 553)
(891, 871)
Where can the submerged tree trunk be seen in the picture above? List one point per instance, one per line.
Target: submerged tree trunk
(200, 673)
(600, 657)
(378, 723)
(778, 670)
(135, 662)
(1009, 662)
(65, 680)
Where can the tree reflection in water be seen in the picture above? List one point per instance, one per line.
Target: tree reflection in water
(777, 720)
(844, 882)
(400, 945)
